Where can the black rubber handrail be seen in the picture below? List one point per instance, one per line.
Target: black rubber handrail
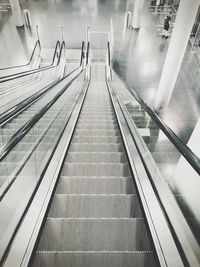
(30, 72)
(4, 117)
(8, 114)
(87, 55)
(30, 60)
(15, 139)
(62, 48)
(82, 53)
(27, 71)
(109, 61)
(19, 74)
(55, 53)
(185, 151)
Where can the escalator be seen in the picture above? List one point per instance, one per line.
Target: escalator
(27, 153)
(16, 88)
(17, 117)
(16, 159)
(95, 217)
(95, 202)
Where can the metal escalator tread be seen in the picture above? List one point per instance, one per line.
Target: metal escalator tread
(95, 218)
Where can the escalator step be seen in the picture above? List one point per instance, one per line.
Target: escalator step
(96, 126)
(82, 132)
(77, 206)
(87, 147)
(99, 117)
(97, 139)
(97, 121)
(94, 234)
(97, 259)
(96, 157)
(96, 169)
(95, 185)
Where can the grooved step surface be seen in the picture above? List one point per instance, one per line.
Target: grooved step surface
(94, 234)
(96, 157)
(95, 185)
(118, 259)
(99, 117)
(87, 147)
(96, 169)
(97, 121)
(95, 206)
(97, 139)
(84, 126)
(81, 132)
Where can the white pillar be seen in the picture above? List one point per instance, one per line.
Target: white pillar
(183, 26)
(137, 13)
(17, 13)
(186, 179)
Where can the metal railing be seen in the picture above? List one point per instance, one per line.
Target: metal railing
(37, 44)
(4, 117)
(185, 151)
(33, 71)
(21, 132)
